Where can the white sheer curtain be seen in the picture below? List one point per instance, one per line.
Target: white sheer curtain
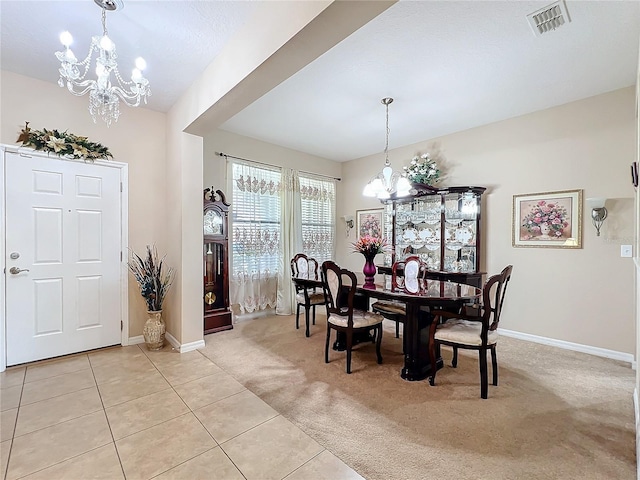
(291, 239)
(256, 234)
(318, 199)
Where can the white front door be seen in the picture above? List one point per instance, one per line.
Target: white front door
(63, 237)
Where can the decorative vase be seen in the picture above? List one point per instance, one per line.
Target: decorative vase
(154, 330)
(544, 230)
(369, 271)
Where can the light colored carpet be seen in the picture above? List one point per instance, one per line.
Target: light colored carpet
(556, 414)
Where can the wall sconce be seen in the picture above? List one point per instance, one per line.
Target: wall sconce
(598, 212)
(348, 220)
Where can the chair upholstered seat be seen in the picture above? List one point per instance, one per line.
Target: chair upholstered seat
(360, 319)
(472, 329)
(306, 268)
(390, 307)
(315, 298)
(339, 285)
(464, 332)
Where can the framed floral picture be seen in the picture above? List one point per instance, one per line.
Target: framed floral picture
(549, 219)
(370, 222)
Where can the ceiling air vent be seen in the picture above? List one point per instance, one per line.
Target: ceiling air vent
(549, 18)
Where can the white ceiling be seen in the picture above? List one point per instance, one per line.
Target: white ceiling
(449, 65)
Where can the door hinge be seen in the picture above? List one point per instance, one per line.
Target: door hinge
(121, 187)
(120, 255)
(121, 325)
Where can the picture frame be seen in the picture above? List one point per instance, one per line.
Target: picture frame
(370, 222)
(547, 220)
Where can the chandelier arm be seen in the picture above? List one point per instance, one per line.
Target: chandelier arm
(126, 97)
(87, 84)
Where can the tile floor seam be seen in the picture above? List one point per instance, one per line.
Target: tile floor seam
(182, 463)
(53, 425)
(152, 426)
(62, 461)
(53, 376)
(104, 410)
(131, 399)
(312, 458)
(53, 362)
(232, 462)
(257, 425)
(56, 396)
(220, 399)
(6, 467)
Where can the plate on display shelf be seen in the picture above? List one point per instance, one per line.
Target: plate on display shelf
(463, 235)
(426, 234)
(410, 235)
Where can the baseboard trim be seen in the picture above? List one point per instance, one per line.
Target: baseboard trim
(576, 347)
(636, 409)
(136, 340)
(172, 340)
(186, 347)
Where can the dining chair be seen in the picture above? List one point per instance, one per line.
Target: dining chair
(473, 328)
(410, 269)
(339, 287)
(306, 267)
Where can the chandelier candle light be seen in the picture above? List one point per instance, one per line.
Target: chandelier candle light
(104, 98)
(387, 182)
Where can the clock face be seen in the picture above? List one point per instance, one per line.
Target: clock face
(212, 223)
(210, 298)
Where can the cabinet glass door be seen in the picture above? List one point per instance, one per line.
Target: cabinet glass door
(460, 232)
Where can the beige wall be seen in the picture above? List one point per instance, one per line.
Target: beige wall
(138, 139)
(585, 295)
(252, 149)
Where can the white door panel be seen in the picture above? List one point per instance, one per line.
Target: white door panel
(63, 219)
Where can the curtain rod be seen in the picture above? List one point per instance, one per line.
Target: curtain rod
(226, 155)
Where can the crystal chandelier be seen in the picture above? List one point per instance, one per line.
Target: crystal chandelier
(104, 98)
(387, 182)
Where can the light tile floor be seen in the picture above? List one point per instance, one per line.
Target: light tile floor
(129, 413)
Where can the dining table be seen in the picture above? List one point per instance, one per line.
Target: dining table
(420, 296)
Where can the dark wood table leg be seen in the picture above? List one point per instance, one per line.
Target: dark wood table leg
(416, 345)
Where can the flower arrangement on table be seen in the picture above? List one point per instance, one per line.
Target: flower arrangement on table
(63, 143)
(153, 281)
(370, 246)
(543, 215)
(422, 169)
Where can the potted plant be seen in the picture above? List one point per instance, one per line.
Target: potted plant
(154, 283)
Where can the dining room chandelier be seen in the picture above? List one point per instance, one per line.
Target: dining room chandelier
(104, 96)
(387, 182)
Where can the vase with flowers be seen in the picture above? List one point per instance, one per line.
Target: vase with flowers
(154, 281)
(370, 246)
(422, 169)
(546, 220)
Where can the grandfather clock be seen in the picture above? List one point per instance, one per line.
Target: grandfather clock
(217, 315)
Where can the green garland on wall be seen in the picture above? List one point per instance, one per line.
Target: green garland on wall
(63, 144)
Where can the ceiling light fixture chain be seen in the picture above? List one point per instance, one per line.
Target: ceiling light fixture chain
(104, 96)
(386, 102)
(387, 182)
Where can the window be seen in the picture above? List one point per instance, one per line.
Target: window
(255, 220)
(318, 197)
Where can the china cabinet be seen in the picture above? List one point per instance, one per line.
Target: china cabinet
(215, 254)
(442, 227)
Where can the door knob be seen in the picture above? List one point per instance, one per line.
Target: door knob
(16, 270)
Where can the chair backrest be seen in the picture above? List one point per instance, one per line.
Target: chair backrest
(412, 268)
(336, 282)
(304, 267)
(493, 298)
